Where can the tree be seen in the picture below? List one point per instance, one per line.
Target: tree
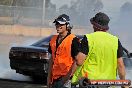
(5, 2)
(82, 10)
(125, 14)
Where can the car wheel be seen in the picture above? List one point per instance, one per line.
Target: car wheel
(39, 79)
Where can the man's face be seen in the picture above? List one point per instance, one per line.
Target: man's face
(61, 28)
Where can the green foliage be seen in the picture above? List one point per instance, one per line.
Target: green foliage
(5, 2)
(26, 3)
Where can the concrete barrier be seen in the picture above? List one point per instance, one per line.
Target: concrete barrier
(33, 31)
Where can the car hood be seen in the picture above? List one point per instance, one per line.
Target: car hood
(29, 49)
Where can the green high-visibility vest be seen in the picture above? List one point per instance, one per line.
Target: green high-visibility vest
(101, 61)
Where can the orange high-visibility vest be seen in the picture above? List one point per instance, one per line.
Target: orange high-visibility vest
(62, 59)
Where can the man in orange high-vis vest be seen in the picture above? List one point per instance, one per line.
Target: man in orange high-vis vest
(63, 48)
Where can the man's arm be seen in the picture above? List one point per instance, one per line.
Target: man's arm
(83, 51)
(80, 58)
(73, 69)
(120, 63)
(70, 73)
(74, 51)
(121, 68)
(49, 68)
(75, 48)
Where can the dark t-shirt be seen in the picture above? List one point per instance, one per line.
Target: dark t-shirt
(74, 47)
(84, 48)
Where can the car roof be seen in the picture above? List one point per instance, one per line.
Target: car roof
(46, 40)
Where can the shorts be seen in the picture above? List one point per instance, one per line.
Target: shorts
(58, 83)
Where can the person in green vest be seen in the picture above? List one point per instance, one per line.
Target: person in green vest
(100, 55)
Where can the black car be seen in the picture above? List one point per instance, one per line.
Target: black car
(33, 60)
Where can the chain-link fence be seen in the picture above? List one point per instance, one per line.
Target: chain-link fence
(20, 19)
(39, 14)
(29, 16)
(43, 12)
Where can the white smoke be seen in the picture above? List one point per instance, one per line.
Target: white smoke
(122, 28)
(7, 73)
(5, 70)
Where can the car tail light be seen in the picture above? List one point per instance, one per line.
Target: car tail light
(33, 55)
(44, 55)
(15, 54)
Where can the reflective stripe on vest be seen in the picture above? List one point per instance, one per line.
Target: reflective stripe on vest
(101, 61)
(61, 56)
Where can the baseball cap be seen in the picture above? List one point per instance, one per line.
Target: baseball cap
(62, 19)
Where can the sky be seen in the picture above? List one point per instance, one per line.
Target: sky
(110, 6)
(113, 5)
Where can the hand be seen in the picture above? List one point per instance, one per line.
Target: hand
(65, 78)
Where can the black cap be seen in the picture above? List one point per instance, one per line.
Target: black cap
(62, 19)
(100, 20)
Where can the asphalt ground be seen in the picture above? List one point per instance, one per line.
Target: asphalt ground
(5, 45)
(5, 83)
